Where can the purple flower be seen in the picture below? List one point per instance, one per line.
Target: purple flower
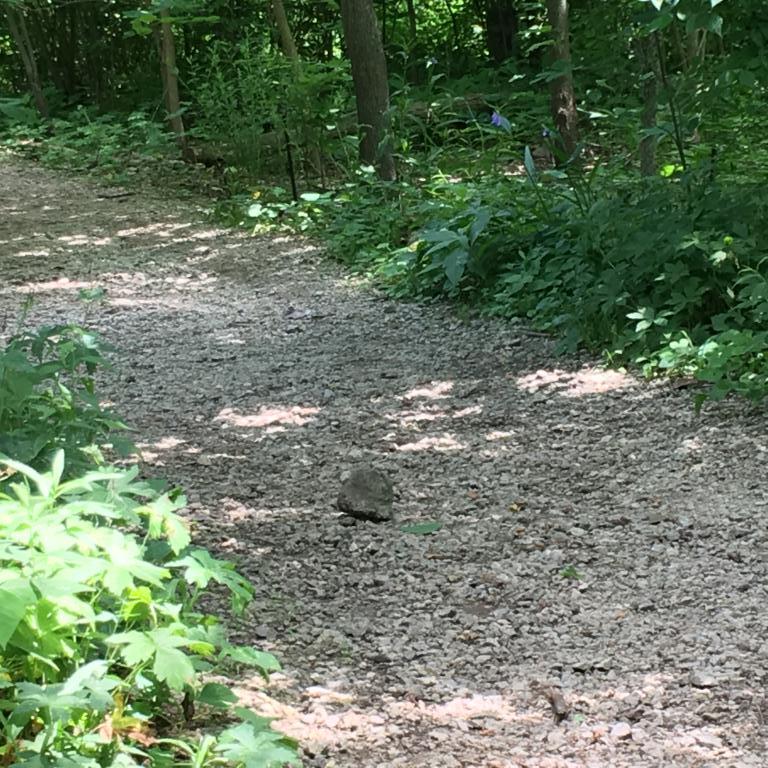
(497, 119)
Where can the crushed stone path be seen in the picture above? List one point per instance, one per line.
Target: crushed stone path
(602, 547)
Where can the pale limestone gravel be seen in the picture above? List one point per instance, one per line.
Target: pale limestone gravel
(256, 374)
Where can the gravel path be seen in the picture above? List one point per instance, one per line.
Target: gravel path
(596, 595)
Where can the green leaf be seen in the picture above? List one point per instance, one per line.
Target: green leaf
(15, 597)
(216, 695)
(253, 748)
(530, 165)
(455, 265)
(174, 667)
(252, 657)
(422, 529)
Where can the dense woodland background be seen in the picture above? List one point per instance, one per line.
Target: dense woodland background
(590, 169)
(593, 171)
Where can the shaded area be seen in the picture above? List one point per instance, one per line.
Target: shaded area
(597, 535)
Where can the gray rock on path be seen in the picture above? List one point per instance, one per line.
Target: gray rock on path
(366, 494)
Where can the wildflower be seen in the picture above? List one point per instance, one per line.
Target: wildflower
(545, 133)
(496, 119)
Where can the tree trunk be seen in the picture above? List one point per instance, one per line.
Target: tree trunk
(501, 25)
(648, 57)
(562, 100)
(412, 26)
(170, 78)
(287, 43)
(369, 74)
(18, 29)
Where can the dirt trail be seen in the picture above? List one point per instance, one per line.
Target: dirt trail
(256, 374)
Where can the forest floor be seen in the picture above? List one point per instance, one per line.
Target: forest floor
(597, 535)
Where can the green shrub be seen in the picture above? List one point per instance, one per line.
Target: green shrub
(101, 646)
(48, 399)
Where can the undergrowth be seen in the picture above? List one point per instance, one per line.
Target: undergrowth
(105, 657)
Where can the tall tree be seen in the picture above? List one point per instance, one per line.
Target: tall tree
(648, 59)
(501, 26)
(287, 43)
(170, 79)
(369, 73)
(18, 28)
(562, 99)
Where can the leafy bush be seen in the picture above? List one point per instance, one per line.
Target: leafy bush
(99, 635)
(48, 399)
(249, 99)
(103, 652)
(83, 140)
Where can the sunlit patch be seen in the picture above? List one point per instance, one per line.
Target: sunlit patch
(162, 229)
(151, 452)
(499, 435)
(60, 284)
(84, 240)
(436, 390)
(440, 444)
(472, 410)
(34, 254)
(591, 381)
(294, 416)
(410, 418)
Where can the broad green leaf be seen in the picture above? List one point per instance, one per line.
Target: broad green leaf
(252, 748)
(15, 597)
(174, 667)
(216, 695)
(454, 265)
(422, 529)
(252, 657)
(530, 165)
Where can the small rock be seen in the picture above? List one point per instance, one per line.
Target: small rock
(367, 495)
(701, 678)
(707, 738)
(621, 731)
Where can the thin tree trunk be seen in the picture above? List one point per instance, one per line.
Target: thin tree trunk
(170, 79)
(562, 99)
(413, 65)
(412, 27)
(648, 57)
(287, 43)
(369, 73)
(501, 24)
(18, 29)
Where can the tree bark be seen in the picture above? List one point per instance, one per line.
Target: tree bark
(648, 57)
(369, 74)
(562, 99)
(501, 25)
(18, 30)
(170, 78)
(287, 43)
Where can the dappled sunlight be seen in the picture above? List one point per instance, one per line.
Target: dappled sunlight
(435, 390)
(411, 419)
(151, 452)
(192, 282)
(84, 240)
(499, 435)
(407, 419)
(159, 229)
(268, 417)
(440, 444)
(471, 410)
(467, 708)
(59, 284)
(591, 381)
